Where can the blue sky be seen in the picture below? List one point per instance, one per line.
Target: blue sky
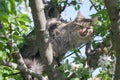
(85, 10)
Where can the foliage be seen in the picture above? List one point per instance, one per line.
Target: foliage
(7, 73)
(75, 68)
(17, 24)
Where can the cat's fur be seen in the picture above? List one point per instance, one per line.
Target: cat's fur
(63, 37)
(67, 36)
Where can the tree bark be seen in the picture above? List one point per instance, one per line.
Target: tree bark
(42, 40)
(114, 15)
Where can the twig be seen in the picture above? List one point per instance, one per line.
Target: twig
(94, 6)
(73, 52)
(63, 8)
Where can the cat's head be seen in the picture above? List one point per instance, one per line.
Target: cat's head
(84, 26)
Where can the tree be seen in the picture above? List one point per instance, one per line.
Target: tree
(16, 32)
(113, 8)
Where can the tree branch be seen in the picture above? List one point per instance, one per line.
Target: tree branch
(17, 56)
(114, 15)
(19, 59)
(42, 40)
(21, 68)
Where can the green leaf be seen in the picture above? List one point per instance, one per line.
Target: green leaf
(74, 2)
(3, 5)
(78, 7)
(4, 74)
(24, 28)
(81, 65)
(91, 7)
(3, 14)
(23, 18)
(75, 79)
(65, 2)
(1, 46)
(19, 1)
(12, 18)
(7, 50)
(2, 55)
(8, 6)
(13, 6)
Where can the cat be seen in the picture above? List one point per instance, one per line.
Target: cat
(63, 36)
(67, 36)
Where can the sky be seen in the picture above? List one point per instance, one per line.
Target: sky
(84, 8)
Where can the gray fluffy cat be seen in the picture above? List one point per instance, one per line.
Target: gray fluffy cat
(63, 37)
(67, 36)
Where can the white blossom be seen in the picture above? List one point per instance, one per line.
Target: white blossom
(76, 66)
(105, 60)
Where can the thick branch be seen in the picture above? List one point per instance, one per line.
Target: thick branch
(113, 13)
(40, 25)
(42, 40)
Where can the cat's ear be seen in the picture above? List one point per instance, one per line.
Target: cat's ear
(79, 16)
